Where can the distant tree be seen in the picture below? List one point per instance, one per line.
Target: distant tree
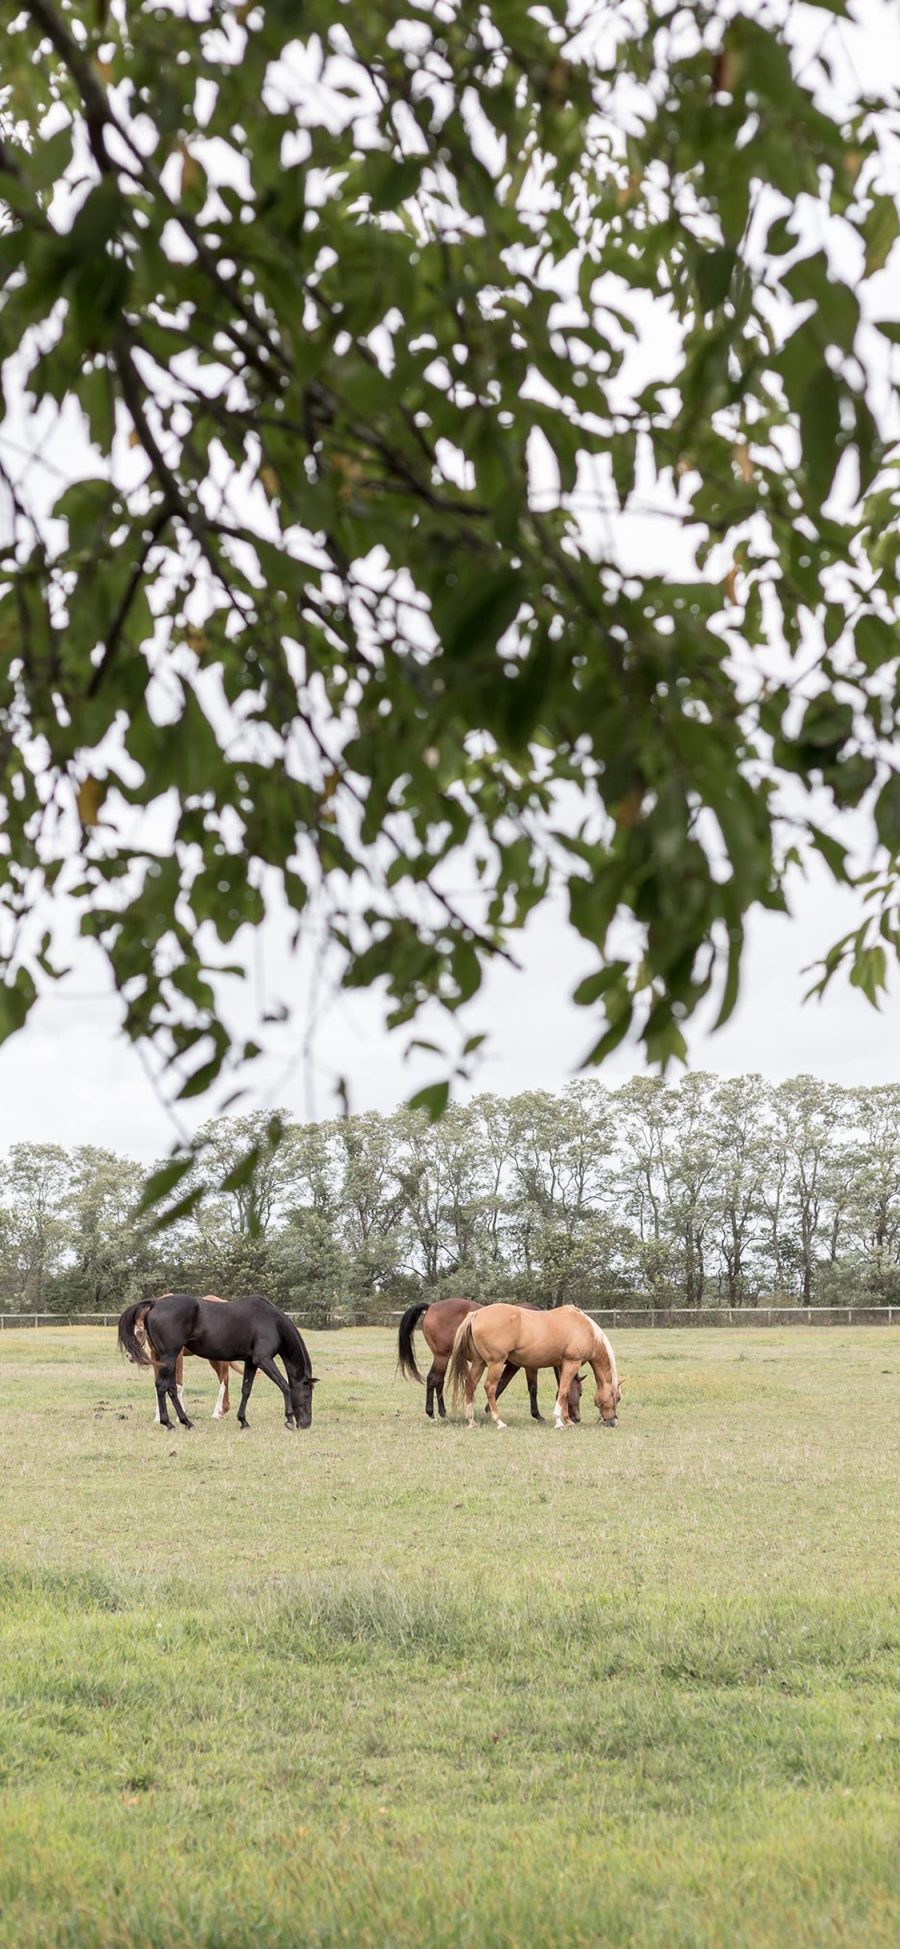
(309, 1269)
(250, 1169)
(740, 1132)
(367, 1161)
(106, 1250)
(442, 1183)
(34, 1186)
(561, 1149)
(873, 1187)
(644, 1110)
(807, 1116)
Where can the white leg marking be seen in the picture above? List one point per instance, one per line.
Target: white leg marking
(180, 1393)
(157, 1416)
(218, 1410)
(558, 1421)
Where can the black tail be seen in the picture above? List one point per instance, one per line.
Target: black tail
(406, 1359)
(131, 1347)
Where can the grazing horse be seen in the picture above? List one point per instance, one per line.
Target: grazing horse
(249, 1330)
(564, 1338)
(220, 1367)
(440, 1320)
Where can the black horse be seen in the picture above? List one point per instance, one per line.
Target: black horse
(251, 1330)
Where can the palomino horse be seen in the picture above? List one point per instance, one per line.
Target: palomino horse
(562, 1338)
(440, 1320)
(248, 1330)
(220, 1368)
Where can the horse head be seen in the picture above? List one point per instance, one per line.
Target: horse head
(301, 1386)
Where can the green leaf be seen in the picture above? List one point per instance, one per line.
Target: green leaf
(243, 1171)
(887, 814)
(869, 972)
(715, 270)
(820, 428)
(827, 723)
(876, 642)
(483, 610)
(880, 232)
(158, 1185)
(432, 1100)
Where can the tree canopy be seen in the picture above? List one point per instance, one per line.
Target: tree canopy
(712, 1192)
(370, 332)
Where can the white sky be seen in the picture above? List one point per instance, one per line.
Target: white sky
(70, 1076)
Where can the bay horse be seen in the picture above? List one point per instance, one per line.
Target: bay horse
(440, 1319)
(220, 1368)
(563, 1338)
(250, 1330)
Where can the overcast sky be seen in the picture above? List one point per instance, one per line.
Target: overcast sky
(70, 1077)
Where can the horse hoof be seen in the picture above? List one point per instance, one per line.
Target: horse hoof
(499, 1424)
(289, 1421)
(187, 1424)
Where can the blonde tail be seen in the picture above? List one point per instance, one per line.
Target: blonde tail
(458, 1365)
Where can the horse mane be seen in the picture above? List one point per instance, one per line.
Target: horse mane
(290, 1334)
(605, 1346)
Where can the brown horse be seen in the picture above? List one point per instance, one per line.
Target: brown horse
(220, 1367)
(487, 1341)
(440, 1320)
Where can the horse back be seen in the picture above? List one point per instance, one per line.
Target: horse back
(440, 1323)
(531, 1337)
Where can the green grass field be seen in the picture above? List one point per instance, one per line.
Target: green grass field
(395, 1684)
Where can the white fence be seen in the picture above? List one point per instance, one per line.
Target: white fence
(612, 1317)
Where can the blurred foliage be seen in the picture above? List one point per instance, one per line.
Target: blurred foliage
(349, 318)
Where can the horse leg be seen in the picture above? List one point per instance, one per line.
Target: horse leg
(432, 1385)
(509, 1374)
(439, 1370)
(249, 1378)
(165, 1384)
(157, 1417)
(531, 1377)
(476, 1369)
(223, 1405)
(269, 1368)
(561, 1418)
(492, 1375)
(179, 1377)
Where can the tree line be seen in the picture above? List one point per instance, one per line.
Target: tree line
(706, 1192)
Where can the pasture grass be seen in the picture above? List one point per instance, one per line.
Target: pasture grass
(389, 1683)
